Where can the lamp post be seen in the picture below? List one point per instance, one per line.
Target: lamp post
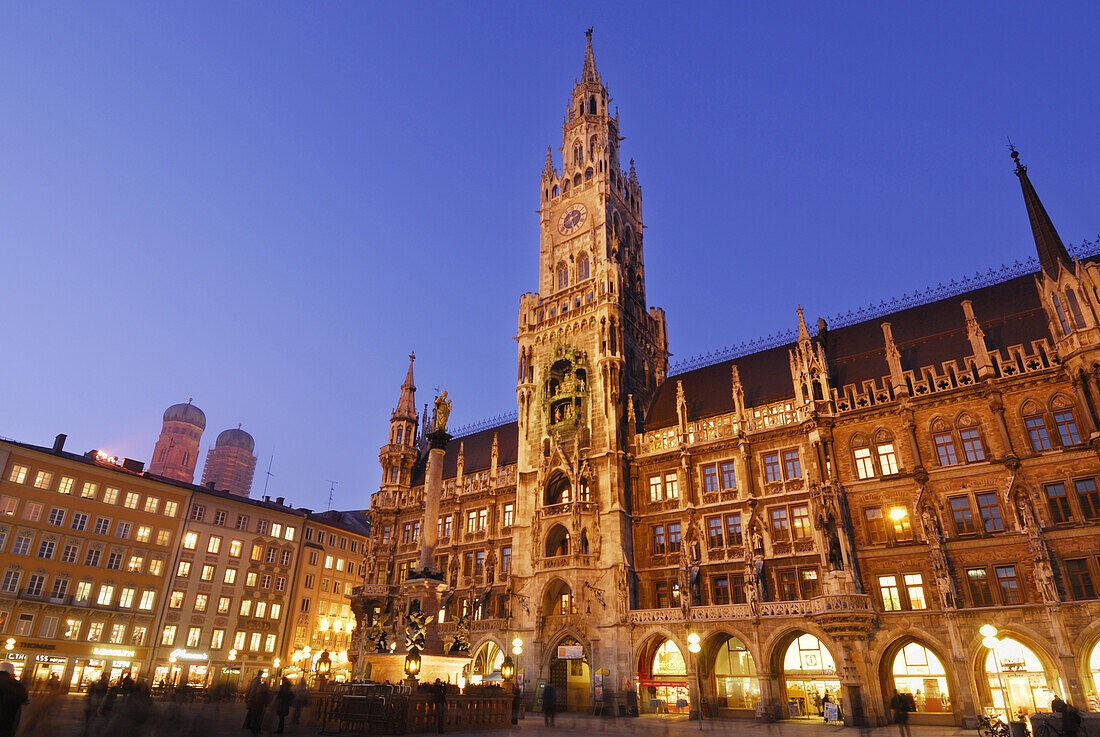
(694, 648)
(989, 639)
(412, 666)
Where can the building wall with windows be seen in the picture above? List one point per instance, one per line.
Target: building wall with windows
(332, 564)
(838, 513)
(229, 590)
(86, 544)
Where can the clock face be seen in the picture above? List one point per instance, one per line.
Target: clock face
(572, 219)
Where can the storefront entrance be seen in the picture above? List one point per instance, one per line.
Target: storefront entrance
(570, 675)
(735, 682)
(85, 673)
(1017, 680)
(662, 679)
(918, 671)
(809, 679)
(1093, 688)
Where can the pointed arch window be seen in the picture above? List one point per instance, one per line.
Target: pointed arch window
(563, 276)
(1061, 313)
(1075, 309)
(592, 105)
(582, 267)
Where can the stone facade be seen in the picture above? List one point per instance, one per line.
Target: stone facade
(839, 514)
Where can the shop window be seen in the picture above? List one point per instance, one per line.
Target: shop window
(736, 683)
(919, 672)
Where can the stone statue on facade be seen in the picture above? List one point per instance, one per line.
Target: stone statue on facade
(416, 628)
(1040, 556)
(376, 637)
(442, 412)
(621, 590)
(461, 641)
(941, 570)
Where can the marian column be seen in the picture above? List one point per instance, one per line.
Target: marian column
(433, 483)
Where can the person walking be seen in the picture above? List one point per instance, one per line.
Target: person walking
(549, 704)
(1071, 721)
(283, 698)
(255, 699)
(301, 701)
(439, 696)
(899, 705)
(13, 695)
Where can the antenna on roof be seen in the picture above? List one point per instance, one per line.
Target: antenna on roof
(269, 474)
(331, 490)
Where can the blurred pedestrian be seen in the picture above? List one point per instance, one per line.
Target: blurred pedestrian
(283, 698)
(255, 699)
(13, 695)
(301, 701)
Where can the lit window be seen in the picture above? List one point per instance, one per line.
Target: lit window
(328, 561)
(914, 588)
(143, 534)
(65, 486)
(288, 534)
(95, 631)
(168, 635)
(899, 517)
(865, 468)
(190, 540)
(88, 490)
(156, 566)
(224, 603)
(276, 529)
(18, 474)
(235, 548)
(800, 522)
(131, 500)
(32, 511)
(147, 599)
(110, 495)
(672, 488)
(257, 552)
(506, 519)
(261, 609)
(200, 602)
(887, 459)
(8, 505)
(254, 641)
(214, 545)
(238, 640)
(183, 570)
(42, 480)
(217, 637)
(250, 578)
(151, 504)
(207, 573)
(230, 575)
(175, 599)
(163, 537)
(126, 597)
(276, 610)
(269, 644)
(654, 488)
(106, 595)
(246, 608)
(888, 587)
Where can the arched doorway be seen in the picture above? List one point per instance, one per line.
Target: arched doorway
(736, 685)
(662, 678)
(808, 676)
(558, 599)
(1094, 678)
(912, 668)
(484, 667)
(1013, 678)
(570, 675)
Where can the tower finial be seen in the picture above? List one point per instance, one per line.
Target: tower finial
(589, 73)
(1047, 243)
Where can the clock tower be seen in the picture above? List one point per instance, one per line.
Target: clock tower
(591, 355)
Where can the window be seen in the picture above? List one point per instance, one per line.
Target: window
(48, 628)
(506, 559)
(990, 512)
(88, 490)
(506, 518)
(270, 557)
(313, 557)
(57, 517)
(865, 468)
(10, 584)
(137, 635)
(721, 586)
(1037, 432)
(151, 504)
(207, 573)
(126, 597)
(35, 583)
(876, 528)
(224, 603)
(131, 500)
(791, 465)
(800, 522)
(183, 569)
(42, 480)
(888, 587)
(972, 444)
(772, 470)
(80, 521)
(1059, 503)
(191, 540)
(659, 540)
(261, 526)
(1067, 427)
(168, 635)
(156, 565)
(22, 545)
(980, 592)
(654, 488)
(91, 558)
(235, 548)
(72, 629)
(143, 534)
(250, 579)
(106, 595)
(710, 479)
(18, 474)
(114, 561)
(672, 489)
(32, 511)
(257, 552)
(887, 459)
(217, 637)
(102, 525)
(1080, 580)
(899, 519)
(83, 591)
(781, 531)
(60, 588)
(1088, 498)
(219, 520)
(8, 505)
(242, 521)
(328, 561)
(46, 549)
(261, 609)
(276, 610)
(65, 485)
(471, 522)
(714, 532)
(70, 553)
(95, 631)
(444, 530)
(230, 575)
(674, 537)
(945, 448)
(246, 608)
(175, 599)
(214, 545)
(170, 509)
(265, 582)
(733, 529)
(122, 529)
(914, 589)
(1010, 588)
(964, 518)
(269, 644)
(276, 529)
(110, 495)
(147, 599)
(729, 477)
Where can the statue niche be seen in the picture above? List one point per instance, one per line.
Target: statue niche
(566, 388)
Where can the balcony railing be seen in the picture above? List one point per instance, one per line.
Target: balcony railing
(819, 606)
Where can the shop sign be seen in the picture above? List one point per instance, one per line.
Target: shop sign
(37, 646)
(52, 659)
(181, 654)
(663, 684)
(113, 652)
(14, 656)
(570, 652)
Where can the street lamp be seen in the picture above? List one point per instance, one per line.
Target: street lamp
(989, 639)
(507, 668)
(694, 648)
(9, 644)
(412, 665)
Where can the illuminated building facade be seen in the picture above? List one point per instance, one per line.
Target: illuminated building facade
(840, 511)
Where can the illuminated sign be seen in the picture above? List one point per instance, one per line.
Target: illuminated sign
(570, 652)
(182, 654)
(113, 652)
(52, 659)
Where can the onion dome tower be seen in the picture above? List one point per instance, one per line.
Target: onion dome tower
(230, 464)
(177, 450)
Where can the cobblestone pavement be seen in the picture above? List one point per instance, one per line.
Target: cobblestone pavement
(65, 718)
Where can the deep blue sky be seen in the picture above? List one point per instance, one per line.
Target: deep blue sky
(265, 206)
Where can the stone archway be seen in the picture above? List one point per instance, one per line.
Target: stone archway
(915, 667)
(731, 678)
(808, 677)
(662, 677)
(1018, 675)
(569, 672)
(484, 666)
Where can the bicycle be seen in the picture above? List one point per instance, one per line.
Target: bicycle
(993, 727)
(1050, 727)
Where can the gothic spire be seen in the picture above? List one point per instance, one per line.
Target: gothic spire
(548, 170)
(406, 405)
(1047, 243)
(589, 73)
